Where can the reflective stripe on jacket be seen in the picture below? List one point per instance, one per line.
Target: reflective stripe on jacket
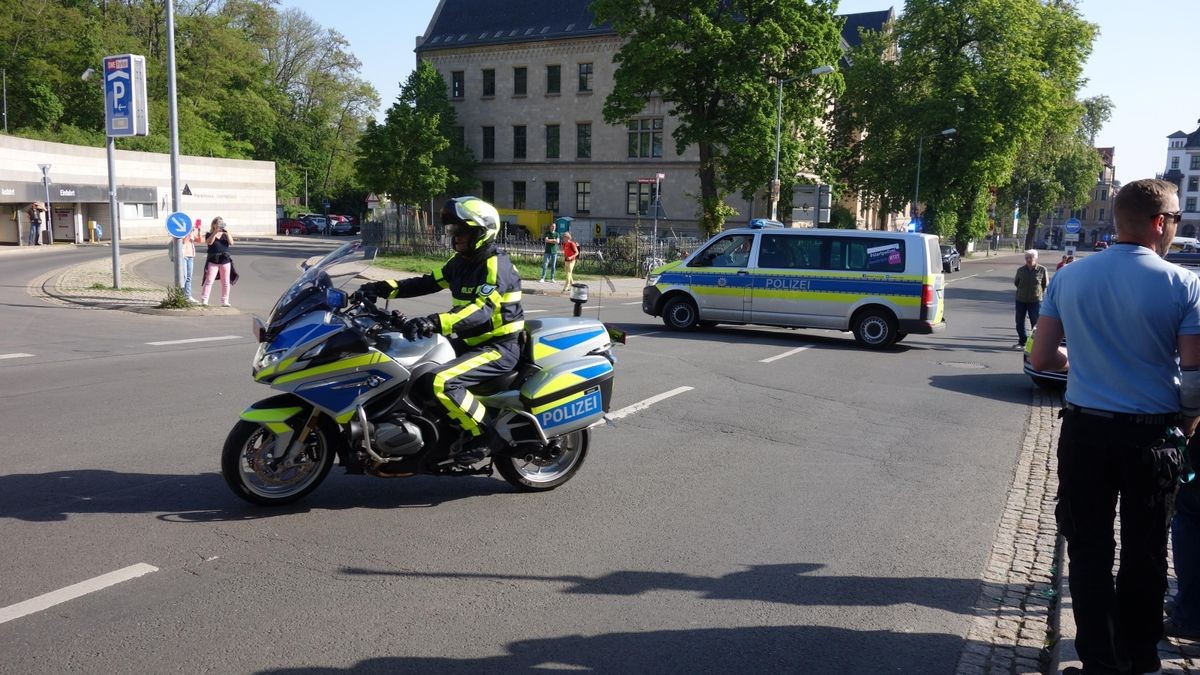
(487, 297)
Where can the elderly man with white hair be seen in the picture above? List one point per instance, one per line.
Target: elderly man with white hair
(1030, 281)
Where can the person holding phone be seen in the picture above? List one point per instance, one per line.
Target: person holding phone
(218, 261)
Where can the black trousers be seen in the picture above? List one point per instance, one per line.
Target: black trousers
(448, 385)
(1118, 626)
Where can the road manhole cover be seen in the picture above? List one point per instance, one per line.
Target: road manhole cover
(963, 364)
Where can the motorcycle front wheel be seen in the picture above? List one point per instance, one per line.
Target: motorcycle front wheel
(539, 474)
(252, 465)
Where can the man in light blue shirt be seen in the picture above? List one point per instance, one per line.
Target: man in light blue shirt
(1132, 324)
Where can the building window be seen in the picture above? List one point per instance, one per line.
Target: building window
(552, 196)
(639, 198)
(1174, 162)
(460, 137)
(583, 196)
(1100, 215)
(553, 79)
(489, 142)
(1104, 195)
(489, 191)
(489, 82)
(520, 78)
(1193, 183)
(457, 86)
(1195, 162)
(551, 141)
(518, 194)
(134, 210)
(645, 137)
(583, 140)
(519, 141)
(585, 77)
(1190, 204)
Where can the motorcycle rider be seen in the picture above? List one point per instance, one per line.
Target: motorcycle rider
(485, 320)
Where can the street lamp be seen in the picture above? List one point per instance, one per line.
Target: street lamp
(820, 70)
(48, 233)
(917, 192)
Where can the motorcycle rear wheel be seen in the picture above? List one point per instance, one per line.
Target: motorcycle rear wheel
(538, 474)
(255, 477)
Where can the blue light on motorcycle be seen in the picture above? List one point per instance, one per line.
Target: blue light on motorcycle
(335, 297)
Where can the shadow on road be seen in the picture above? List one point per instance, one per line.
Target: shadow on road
(791, 584)
(54, 496)
(1007, 387)
(814, 650)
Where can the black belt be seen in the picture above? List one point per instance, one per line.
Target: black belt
(1133, 418)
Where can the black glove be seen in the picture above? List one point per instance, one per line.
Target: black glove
(376, 289)
(420, 327)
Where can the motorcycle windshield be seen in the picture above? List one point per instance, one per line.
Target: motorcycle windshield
(339, 269)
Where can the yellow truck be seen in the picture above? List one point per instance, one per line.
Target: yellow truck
(533, 222)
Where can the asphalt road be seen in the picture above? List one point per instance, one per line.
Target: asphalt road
(803, 506)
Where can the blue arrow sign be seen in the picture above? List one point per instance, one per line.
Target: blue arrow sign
(179, 225)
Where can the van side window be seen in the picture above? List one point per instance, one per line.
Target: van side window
(731, 251)
(867, 255)
(789, 252)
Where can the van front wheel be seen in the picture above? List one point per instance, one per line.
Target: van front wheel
(680, 314)
(876, 328)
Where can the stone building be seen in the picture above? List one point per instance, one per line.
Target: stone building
(528, 86)
(1183, 169)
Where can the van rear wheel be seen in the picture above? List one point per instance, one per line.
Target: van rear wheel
(875, 328)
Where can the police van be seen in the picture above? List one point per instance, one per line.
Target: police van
(880, 285)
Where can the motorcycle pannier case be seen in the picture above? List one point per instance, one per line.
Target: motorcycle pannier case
(570, 396)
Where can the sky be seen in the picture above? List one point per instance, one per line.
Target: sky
(1136, 61)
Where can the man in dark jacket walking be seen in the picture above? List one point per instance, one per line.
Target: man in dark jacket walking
(1030, 281)
(484, 322)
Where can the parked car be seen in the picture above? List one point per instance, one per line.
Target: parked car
(951, 261)
(314, 224)
(289, 226)
(343, 226)
(1100, 245)
(1042, 244)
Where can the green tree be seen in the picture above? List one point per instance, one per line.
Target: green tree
(432, 99)
(712, 62)
(997, 72)
(397, 157)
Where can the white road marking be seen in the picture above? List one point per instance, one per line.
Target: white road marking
(535, 311)
(632, 303)
(653, 332)
(784, 355)
(14, 356)
(642, 405)
(970, 276)
(73, 591)
(207, 339)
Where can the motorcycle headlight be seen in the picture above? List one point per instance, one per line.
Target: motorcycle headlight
(267, 359)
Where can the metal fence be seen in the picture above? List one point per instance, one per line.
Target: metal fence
(626, 255)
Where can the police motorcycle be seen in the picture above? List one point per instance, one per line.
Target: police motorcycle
(345, 375)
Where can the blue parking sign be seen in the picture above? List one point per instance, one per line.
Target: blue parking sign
(125, 96)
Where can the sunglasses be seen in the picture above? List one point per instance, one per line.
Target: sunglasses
(1175, 216)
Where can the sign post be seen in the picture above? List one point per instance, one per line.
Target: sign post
(124, 115)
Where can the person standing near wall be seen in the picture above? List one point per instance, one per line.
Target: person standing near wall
(188, 246)
(35, 211)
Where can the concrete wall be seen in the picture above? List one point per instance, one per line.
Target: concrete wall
(240, 191)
